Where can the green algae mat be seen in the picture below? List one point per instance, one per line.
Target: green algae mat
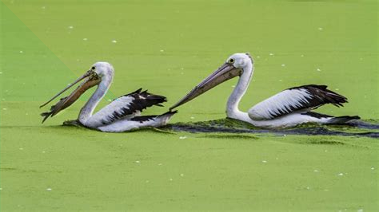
(168, 46)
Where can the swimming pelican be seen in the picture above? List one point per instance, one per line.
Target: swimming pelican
(122, 114)
(288, 108)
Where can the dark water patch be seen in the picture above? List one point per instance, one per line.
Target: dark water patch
(155, 130)
(325, 142)
(203, 129)
(301, 131)
(231, 126)
(369, 124)
(330, 141)
(234, 126)
(244, 136)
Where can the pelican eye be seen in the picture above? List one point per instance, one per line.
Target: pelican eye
(93, 68)
(231, 60)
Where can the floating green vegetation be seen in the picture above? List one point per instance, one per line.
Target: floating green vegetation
(169, 46)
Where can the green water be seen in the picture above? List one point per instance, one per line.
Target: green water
(168, 47)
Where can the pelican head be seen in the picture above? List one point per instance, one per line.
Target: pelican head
(240, 60)
(235, 65)
(96, 74)
(103, 69)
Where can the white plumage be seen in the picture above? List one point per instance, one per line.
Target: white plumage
(132, 124)
(105, 115)
(280, 104)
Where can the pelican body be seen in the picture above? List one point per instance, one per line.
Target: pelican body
(288, 108)
(122, 114)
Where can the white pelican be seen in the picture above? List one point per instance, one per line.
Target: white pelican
(288, 108)
(122, 114)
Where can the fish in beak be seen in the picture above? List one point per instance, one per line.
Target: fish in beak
(90, 79)
(225, 72)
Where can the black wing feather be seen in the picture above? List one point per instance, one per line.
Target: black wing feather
(321, 95)
(141, 100)
(142, 119)
(314, 97)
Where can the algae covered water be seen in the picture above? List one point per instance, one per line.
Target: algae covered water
(201, 161)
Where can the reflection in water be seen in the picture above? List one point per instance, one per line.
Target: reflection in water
(369, 128)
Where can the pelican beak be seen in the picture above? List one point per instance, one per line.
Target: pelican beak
(90, 79)
(225, 72)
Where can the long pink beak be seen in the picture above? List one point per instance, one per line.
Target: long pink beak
(225, 72)
(91, 79)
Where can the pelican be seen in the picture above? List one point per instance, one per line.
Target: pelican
(288, 108)
(122, 114)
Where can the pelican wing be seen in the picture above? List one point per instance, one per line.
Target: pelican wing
(128, 106)
(296, 99)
